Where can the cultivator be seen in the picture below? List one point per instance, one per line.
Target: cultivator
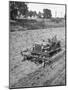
(42, 53)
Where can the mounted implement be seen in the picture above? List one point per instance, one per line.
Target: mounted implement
(42, 53)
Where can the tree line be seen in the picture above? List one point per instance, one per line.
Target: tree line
(21, 8)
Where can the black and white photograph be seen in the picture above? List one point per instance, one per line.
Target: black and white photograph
(37, 44)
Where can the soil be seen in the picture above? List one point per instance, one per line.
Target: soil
(29, 74)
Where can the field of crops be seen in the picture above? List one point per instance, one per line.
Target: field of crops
(28, 74)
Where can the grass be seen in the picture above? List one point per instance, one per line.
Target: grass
(20, 40)
(31, 24)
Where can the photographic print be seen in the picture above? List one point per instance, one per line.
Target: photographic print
(37, 44)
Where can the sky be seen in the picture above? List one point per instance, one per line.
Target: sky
(57, 10)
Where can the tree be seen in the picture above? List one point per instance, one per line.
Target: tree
(13, 10)
(47, 13)
(34, 13)
(30, 13)
(40, 14)
(17, 8)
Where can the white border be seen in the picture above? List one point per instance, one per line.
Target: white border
(4, 43)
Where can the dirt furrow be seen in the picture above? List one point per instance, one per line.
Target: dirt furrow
(44, 76)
